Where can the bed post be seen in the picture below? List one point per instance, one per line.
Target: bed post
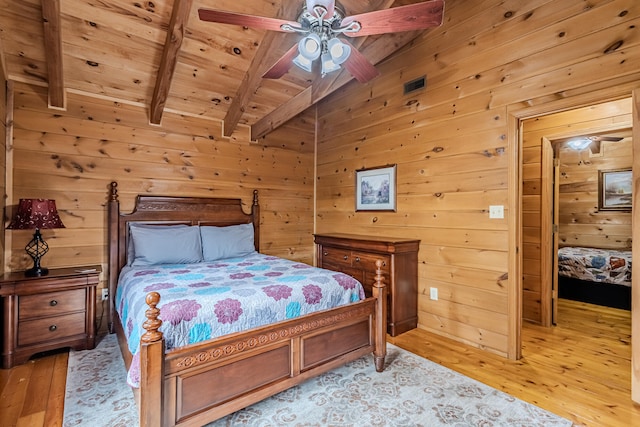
(255, 213)
(380, 293)
(113, 214)
(152, 366)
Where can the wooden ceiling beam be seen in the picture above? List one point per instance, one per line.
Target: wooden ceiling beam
(376, 52)
(259, 64)
(172, 45)
(53, 52)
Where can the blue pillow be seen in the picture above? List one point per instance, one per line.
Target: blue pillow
(166, 245)
(130, 250)
(226, 242)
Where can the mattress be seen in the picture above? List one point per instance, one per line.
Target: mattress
(595, 265)
(206, 300)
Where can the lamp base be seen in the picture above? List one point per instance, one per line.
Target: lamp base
(36, 272)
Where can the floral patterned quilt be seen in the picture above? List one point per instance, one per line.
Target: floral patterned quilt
(210, 299)
(595, 265)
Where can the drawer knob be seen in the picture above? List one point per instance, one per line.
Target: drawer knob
(357, 259)
(345, 257)
(325, 253)
(53, 303)
(53, 328)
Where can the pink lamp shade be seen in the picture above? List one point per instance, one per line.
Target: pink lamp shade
(36, 213)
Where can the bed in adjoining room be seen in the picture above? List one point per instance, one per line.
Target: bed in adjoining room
(595, 275)
(272, 323)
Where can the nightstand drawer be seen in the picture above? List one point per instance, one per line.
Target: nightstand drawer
(51, 303)
(52, 328)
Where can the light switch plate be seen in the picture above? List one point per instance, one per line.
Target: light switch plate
(496, 211)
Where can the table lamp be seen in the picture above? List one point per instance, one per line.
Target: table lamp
(36, 214)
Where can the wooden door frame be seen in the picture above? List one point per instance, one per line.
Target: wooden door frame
(515, 115)
(635, 250)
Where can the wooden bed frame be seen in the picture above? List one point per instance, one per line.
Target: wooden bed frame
(199, 383)
(606, 294)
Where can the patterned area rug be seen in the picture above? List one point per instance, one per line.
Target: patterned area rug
(412, 391)
(97, 393)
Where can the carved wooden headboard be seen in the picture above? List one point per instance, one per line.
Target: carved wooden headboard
(158, 210)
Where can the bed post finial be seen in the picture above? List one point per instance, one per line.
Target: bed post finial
(255, 197)
(113, 191)
(380, 293)
(152, 324)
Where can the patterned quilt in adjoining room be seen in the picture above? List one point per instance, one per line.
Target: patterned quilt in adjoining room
(595, 265)
(210, 299)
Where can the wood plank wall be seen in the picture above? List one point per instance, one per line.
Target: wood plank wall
(72, 157)
(3, 145)
(580, 221)
(450, 140)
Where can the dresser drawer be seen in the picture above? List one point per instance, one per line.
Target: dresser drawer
(367, 261)
(52, 328)
(340, 257)
(51, 303)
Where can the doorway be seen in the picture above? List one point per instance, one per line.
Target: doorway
(582, 224)
(522, 200)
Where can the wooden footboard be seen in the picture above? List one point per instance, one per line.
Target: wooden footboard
(201, 383)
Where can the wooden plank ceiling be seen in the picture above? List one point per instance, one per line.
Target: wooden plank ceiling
(159, 55)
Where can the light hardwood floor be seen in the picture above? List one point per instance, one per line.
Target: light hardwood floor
(579, 369)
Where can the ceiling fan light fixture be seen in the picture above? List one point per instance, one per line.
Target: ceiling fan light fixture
(579, 143)
(328, 64)
(339, 51)
(310, 47)
(303, 62)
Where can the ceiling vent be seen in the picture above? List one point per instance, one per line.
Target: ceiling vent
(414, 85)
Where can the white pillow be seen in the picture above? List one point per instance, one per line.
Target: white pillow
(166, 245)
(226, 242)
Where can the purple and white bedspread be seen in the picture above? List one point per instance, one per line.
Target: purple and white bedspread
(595, 265)
(210, 299)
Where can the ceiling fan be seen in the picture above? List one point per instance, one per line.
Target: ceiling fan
(583, 142)
(322, 21)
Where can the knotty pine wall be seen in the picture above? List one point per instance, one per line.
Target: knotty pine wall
(451, 142)
(3, 147)
(580, 223)
(72, 156)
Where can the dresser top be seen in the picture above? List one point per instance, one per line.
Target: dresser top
(385, 239)
(382, 244)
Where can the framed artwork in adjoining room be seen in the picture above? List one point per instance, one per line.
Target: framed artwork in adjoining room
(614, 190)
(376, 189)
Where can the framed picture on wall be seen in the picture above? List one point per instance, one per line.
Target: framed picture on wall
(614, 190)
(376, 189)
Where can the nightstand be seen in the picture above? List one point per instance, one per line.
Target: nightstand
(48, 312)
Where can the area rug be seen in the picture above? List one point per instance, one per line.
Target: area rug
(97, 393)
(412, 391)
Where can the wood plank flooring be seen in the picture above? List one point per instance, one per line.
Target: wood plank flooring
(579, 369)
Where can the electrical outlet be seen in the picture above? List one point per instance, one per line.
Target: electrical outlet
(105, 294)
(433, 293)
(496, 211)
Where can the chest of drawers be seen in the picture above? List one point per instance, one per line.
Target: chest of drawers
(47, 312)
(356, 256)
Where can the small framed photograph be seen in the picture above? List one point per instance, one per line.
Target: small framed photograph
(614, 190)
(376, 189)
